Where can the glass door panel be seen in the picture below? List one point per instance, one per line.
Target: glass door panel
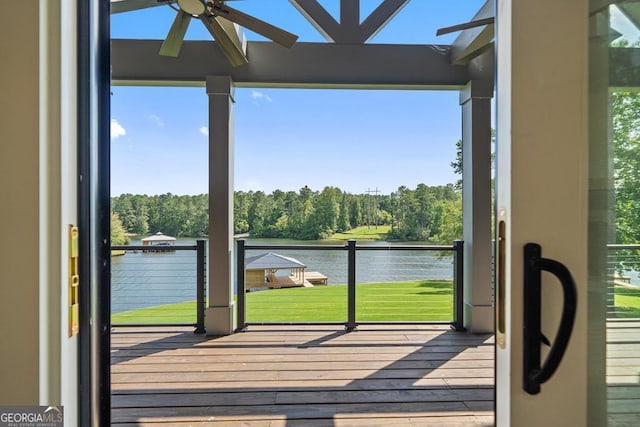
(614, 212)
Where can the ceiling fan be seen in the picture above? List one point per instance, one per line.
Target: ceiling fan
(467, 25)
(217, 17)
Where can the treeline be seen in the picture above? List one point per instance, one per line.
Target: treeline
(426, 213)
(182, 216)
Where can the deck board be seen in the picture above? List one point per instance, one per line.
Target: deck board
(303, 376)
(321, 376)
(623, 372)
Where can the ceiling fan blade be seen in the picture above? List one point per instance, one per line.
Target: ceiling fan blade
(119, 6)
(172, 44)
(465, 26)
(278, 35)
(227, 39)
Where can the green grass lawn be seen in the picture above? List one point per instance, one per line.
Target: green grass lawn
(422, 300)
(184, 312)
(627, 301)
(364, 233)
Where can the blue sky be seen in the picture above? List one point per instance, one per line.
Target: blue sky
(288, 138)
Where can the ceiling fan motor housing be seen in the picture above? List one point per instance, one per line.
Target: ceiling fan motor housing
(192, 7)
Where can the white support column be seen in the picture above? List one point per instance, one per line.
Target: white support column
(220, 314)
(475, 100)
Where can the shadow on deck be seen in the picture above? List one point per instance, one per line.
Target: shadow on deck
(303, 376)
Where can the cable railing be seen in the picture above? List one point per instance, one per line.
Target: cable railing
(417, 284)
(623, 277)
(154, 285)
(165, 285)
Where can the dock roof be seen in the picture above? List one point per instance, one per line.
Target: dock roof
(272, 260)
(159, 237)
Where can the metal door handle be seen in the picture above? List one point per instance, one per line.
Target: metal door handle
(534, 374)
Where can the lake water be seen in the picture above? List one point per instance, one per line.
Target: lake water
(148, 279)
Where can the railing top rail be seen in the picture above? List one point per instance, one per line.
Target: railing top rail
(406, 248)
(290, 247)
(154, 248)
(623, 246)
(359, 248)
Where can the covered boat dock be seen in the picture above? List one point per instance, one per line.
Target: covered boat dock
(261, 272)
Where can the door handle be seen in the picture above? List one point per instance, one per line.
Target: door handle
(534, 373)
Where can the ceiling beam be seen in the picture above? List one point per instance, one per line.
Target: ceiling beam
(380, 17)
(474, 41)
(318, 16)
(631, 11)
(350, 13)
(349, 29)
(310, 65)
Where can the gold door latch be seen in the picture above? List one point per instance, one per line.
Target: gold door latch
(74, 282)
(501, 286)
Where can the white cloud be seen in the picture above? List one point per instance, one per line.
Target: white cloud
(116, 129)
(157, 120)
(204, 130)
(259, 96)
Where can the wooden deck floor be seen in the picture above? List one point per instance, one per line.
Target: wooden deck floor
(623, 373)
(303, 376)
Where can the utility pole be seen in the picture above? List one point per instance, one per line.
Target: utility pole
(375, 193)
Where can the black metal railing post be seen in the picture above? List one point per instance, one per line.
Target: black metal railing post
(458, 285)
(240, 288)
(351, 285)
(200, 286)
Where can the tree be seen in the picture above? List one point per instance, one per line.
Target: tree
(257, 214)
(118, 233)
(306, 214)
(457, 164)
(426, 213)
(355, 212)
(625, 111)
(450, 218)
(322, 220)
(240, 212)
(343, 214)
(295, 214)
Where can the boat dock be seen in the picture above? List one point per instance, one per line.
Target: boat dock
(315, 278)
(261, 272)
(311, 279)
